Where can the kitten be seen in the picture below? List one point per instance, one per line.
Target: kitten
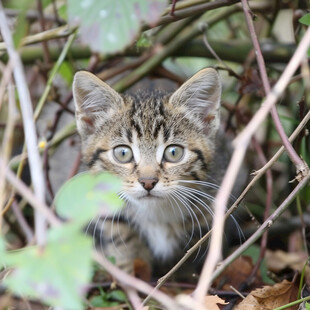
(168, 151)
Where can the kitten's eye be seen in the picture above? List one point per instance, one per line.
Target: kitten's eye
(173, 153)
(123, 154)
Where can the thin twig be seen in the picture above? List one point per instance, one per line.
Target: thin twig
(301, 166)
(27, 194)
(56, 33)
(53, 73)
(269, 190)
(159, 53)
(266, 225)
(46, 54)
(192, 10)
(23, 223)
(139, 285)
(133, 297)
(29, 127)
(7, 143)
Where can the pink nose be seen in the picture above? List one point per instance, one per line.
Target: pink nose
(148, 183)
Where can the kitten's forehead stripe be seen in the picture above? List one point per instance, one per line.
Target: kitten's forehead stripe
(95, 157)
(129, 135)
(200, 157)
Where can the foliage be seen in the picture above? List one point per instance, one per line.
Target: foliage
(123, 41)
(113, 24)
(59, 272)
(86, 195)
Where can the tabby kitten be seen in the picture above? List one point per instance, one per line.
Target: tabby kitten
(169, 153)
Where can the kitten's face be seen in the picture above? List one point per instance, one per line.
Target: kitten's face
(153, 141)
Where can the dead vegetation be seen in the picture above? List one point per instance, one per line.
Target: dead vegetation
(262, 53)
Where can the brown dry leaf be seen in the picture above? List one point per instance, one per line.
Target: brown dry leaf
(270, 297)
(278, 260)
(212, 302)
(237, 273)
(142, 269)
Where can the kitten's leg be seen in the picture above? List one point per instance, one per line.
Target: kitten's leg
(116, 239)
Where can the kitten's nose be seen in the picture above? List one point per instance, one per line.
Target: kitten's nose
(148, 183)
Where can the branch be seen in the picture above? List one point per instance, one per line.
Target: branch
(301, 166)
(233, 50)
(264, 227)
(191, 10)
(241, 144)
(29, 127)
(130, 281)
(22, 188)
(56, 33)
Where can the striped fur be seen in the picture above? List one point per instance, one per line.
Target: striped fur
(166, 204)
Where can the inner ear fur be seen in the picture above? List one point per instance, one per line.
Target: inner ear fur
(94, 100)
(201, 94)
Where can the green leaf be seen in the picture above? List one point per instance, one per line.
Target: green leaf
(110, 26)
(56, 274)
(21, 23)
(87, 194)
(110, 299)
(253, 251)
(305, 19)
(66, 71)
(117, 295)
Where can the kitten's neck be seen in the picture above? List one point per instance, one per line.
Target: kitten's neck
(160, 222)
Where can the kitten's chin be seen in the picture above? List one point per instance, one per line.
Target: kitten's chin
(147, 197)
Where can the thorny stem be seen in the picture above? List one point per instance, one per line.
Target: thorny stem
(192, 10)
(266, 225)
(56, 33)
(241, 143)
(220, 203)
(29, 128)
(269, 189)
(301, 166)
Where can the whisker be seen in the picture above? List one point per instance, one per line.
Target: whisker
(119, 232)
(190, 212)
(192, 191)
(101, 233)
(173, 207)
(89, 223)
(178, 200)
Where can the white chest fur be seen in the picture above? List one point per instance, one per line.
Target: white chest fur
(161, 223)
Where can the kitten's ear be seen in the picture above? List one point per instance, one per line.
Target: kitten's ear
(201, 94)
(94, 101)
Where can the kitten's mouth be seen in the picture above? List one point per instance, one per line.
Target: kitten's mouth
(149, 195)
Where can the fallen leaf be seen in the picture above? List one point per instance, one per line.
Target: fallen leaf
(237, 273)
(270, 297)
(279, 260)
(212, 302)
(142, 269)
